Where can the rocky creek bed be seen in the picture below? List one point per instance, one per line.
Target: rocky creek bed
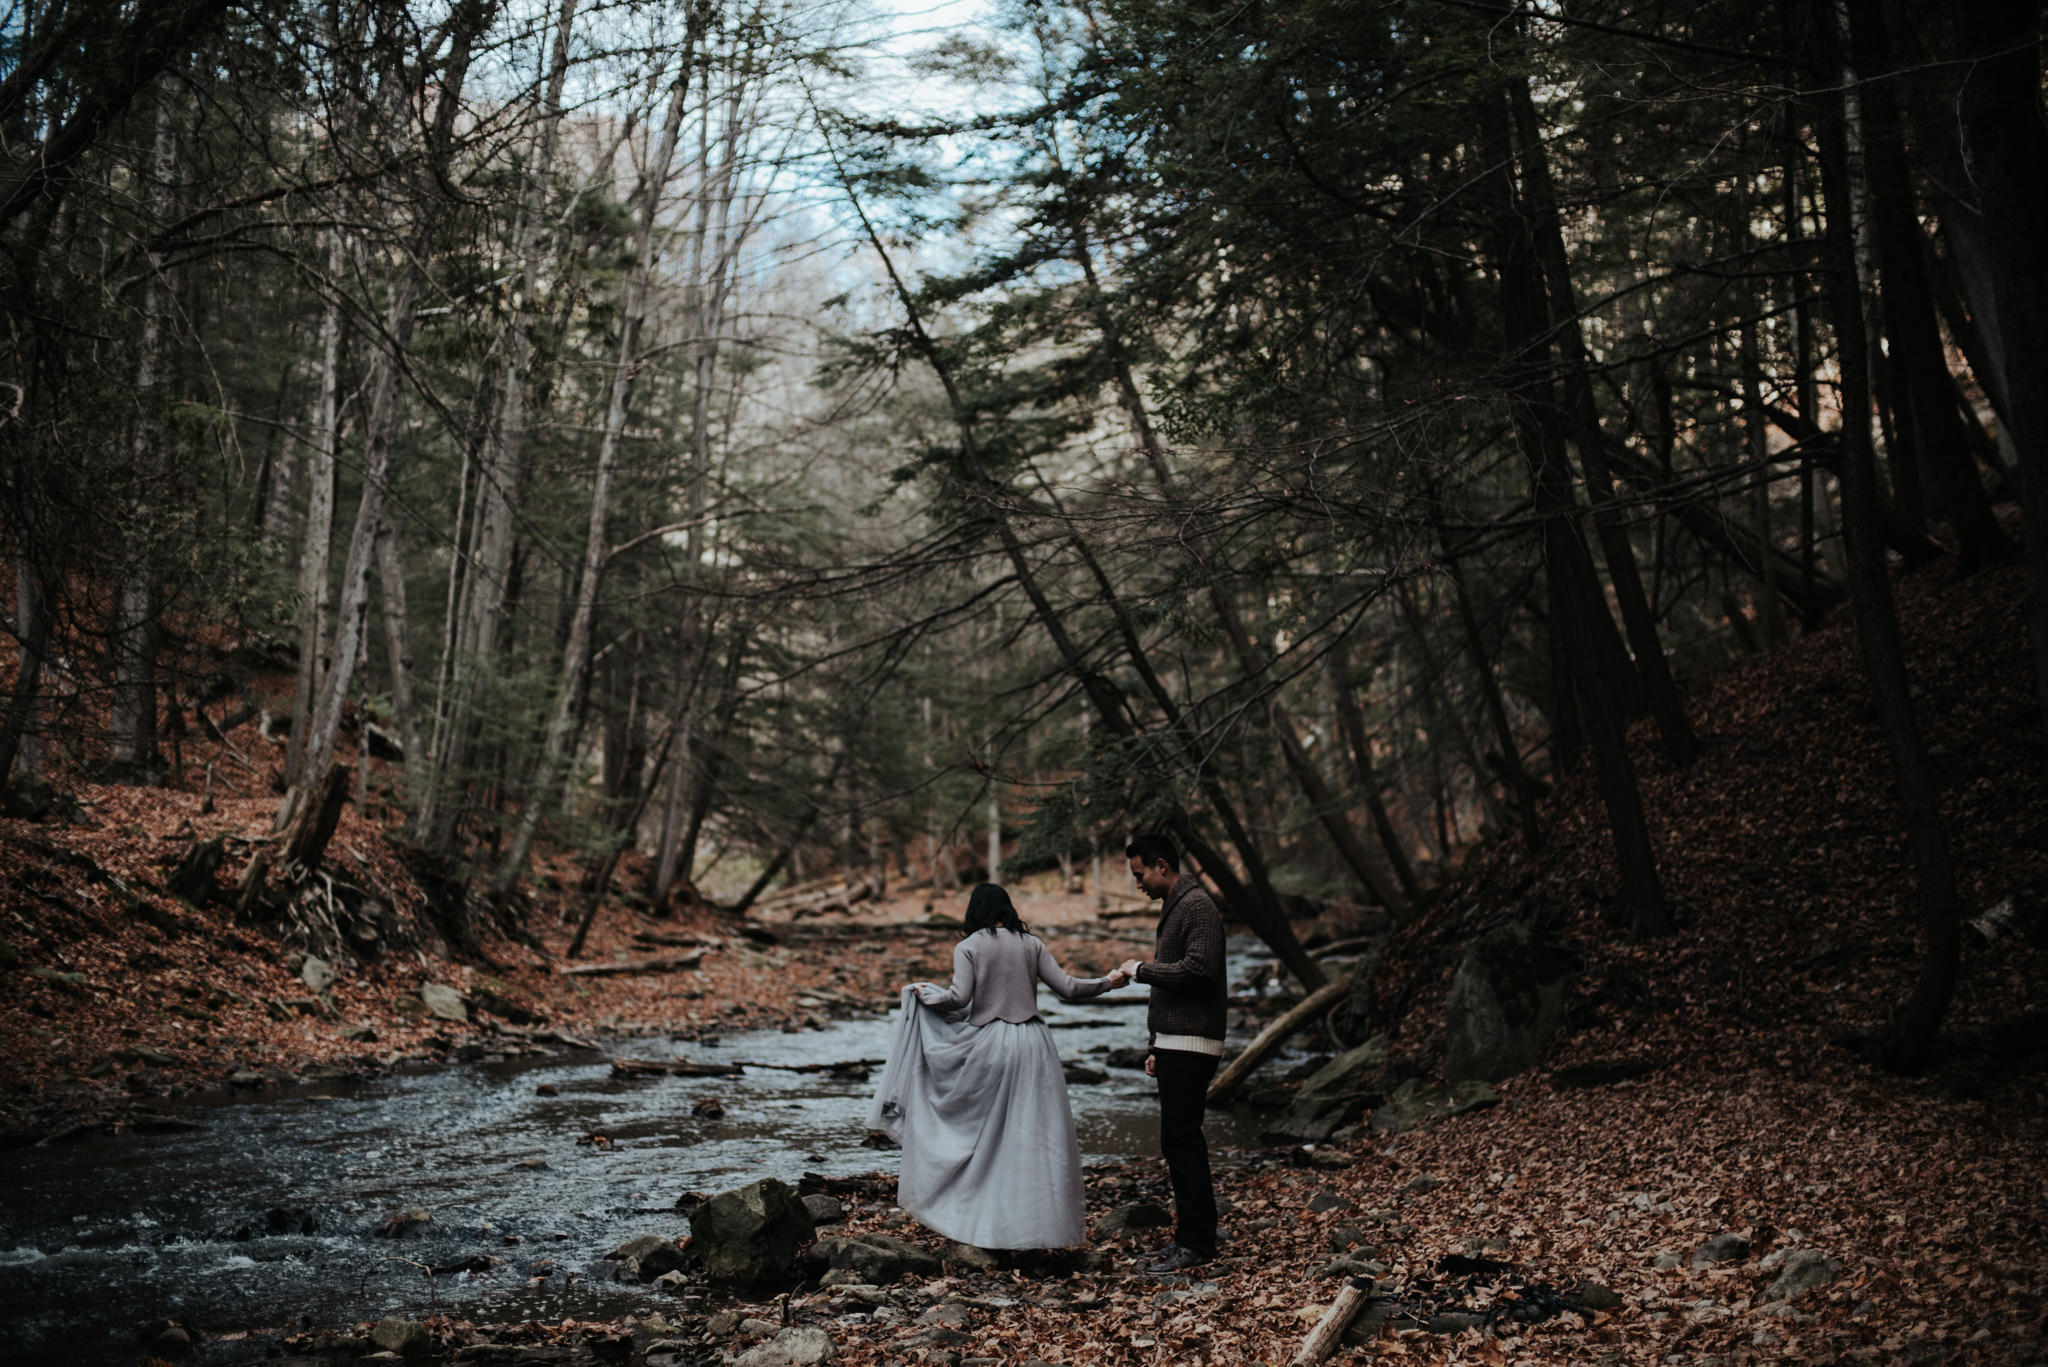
(489, 1191)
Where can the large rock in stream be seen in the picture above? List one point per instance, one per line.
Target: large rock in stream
(751, 1235)
(1505, 1003)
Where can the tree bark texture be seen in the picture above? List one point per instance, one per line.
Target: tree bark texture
(1908, 1040)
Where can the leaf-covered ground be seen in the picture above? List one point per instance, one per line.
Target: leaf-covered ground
(1920, 1198)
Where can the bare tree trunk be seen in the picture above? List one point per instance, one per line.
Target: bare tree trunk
(398, 654)
(1908, 1040)
(1358, 741)
(1659, 690)
(352, 611)
(1578, 610)
(1274, 929)
(1757, 428)
(473, 636)
(20, 738)
(549, 772)
(1322, 801)
(2008, 149)
(1516, 775)
(1444, 720)
(1916, 349)
(133, 635)
(317, 543)
(713, 219)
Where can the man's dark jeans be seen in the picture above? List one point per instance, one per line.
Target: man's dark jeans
(1183, 1096)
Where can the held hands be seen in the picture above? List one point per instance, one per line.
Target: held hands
(1129, 970)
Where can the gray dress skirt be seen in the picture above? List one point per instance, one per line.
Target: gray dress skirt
(989, 1155)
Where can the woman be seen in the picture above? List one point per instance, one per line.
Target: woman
(975, 1093)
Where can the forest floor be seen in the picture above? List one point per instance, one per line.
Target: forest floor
(1915, 1205)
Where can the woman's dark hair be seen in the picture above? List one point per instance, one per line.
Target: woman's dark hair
(1153, 849)
(988, 907)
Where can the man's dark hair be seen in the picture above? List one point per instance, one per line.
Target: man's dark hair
(1153, 849)
(990, 908)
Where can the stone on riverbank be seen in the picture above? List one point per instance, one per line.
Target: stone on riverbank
(878, 1258)
(644, 1257)
(1804, 1269)
(1331, 1096)
(1135, 1216)
(396, 1334)
(823, 1209)
(444, 1003)
(751, 1235)
(800, 1346)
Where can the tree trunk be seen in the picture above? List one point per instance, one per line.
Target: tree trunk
(1520, 785)
(551, 768)
(20, 738)
(351, 614)
(133, 636)
(1916, 349)
(398, 655)
(1322, 801)
(714, 210)
(1444, 722)
(1659, 690)
(1358, 741)
(473, 637)
(1263, 917)
(1577, 608)
(316, 546)
(2008, 151)
(1909, 1038)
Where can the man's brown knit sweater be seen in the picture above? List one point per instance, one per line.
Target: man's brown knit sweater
(1186, 973)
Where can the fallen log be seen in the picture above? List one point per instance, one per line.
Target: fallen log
(669, 939)
(642, 1068)
(1329, 1331)
(672, 963)
(1274, 1035)
(1347, 946)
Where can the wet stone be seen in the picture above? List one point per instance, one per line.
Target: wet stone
(823, 1209)
(395, 1334)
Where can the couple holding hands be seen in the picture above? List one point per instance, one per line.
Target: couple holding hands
(974, 1091)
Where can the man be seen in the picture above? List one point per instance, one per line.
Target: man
(1186, 1023)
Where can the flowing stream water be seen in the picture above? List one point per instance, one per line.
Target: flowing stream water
(100, 1236)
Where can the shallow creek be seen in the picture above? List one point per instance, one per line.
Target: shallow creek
(100, 1236)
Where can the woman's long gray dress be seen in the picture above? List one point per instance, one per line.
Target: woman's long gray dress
(974, 1092)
